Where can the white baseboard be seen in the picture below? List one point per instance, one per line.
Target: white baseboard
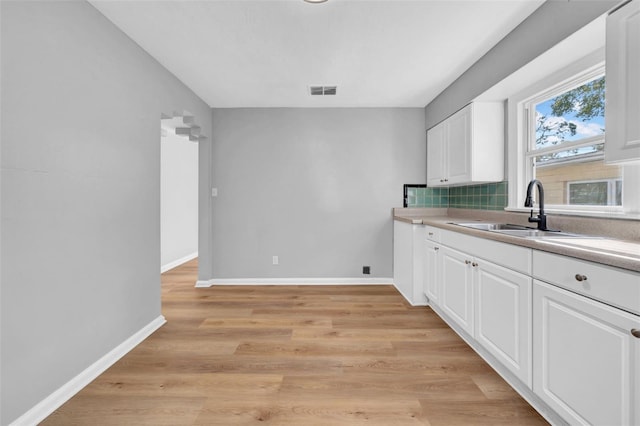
(294, 281)
(48, 405)
(171, 265)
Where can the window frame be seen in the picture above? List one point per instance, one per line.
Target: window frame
(520, 170)
(529, 133)
(529, 106)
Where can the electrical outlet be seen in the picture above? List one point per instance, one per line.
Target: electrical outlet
(275, 260)
(366, 270)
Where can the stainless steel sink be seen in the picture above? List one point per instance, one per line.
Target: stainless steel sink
(492, 226)
(518, 230)
(536, 233)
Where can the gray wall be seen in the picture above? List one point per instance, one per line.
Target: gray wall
(80, 179)
(551, 23)
(312, 186)
(178, 199)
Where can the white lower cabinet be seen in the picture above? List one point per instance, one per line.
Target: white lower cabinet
(563, 332)
(503, 316)
(431, 274)
(491, 303)
(408, 246)
(586, 359)
(457, 287)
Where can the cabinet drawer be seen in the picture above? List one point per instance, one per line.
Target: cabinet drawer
(513, 257)
(613, 286)
(432, 233)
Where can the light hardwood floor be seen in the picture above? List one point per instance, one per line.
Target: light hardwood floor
(296, 355)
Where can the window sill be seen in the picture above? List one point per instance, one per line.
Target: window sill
(582, 213)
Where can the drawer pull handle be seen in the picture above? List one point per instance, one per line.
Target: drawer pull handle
(580, 277)
(466, 262)
(635, 332)
(474, 264)
(436, 248)
(431, 234)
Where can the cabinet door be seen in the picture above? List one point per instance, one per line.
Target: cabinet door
(623, 84)
(430, 274)
(503, 316)
(459, 146)
(436, 163)
(456, 292)
(586, 361)
(403, 258)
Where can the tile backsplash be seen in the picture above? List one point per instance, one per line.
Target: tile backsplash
(428, 197)
(487, 196)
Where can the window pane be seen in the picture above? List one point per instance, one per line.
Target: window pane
(618, 193)
(580, 182)
(589, 193)
(570, 116)
(583, 153)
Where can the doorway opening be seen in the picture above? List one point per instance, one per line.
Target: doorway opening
(178, 189)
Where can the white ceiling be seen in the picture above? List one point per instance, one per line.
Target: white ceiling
(266, 53)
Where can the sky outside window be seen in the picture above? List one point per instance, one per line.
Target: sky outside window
(579, 114)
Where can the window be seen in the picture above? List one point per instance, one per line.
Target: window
(595, 192)
(558, 128)
(564, 138)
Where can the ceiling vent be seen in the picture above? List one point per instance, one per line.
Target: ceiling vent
(323, 90)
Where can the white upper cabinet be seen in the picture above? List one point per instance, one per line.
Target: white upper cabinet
(459, 146)
(436, 167)
(622, 112)
(467, 147)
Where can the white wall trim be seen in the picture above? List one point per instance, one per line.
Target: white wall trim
(294, 281)
(48, 405)
(171, 265)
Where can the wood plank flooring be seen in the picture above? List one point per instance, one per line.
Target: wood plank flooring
(296, 355)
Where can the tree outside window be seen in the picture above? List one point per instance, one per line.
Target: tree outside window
(567, 145)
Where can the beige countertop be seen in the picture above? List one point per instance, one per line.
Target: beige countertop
(608, 251)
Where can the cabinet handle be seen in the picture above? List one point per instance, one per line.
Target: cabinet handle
(446, 180)
(635, 333)
(474, 264)
(580, 277)
(466, 262)
(431, 234)
(436, 248)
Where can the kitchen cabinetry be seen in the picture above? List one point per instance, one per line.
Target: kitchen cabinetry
(503, 316)
(467, 147)
(586, 359)
(613, 286)
(623, 84)
(408, 247)
(491, 303)
(431, 272)
(457, 287)
(563, 332)
(436, 156)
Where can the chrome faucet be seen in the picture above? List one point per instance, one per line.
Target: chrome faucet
(541, 220)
